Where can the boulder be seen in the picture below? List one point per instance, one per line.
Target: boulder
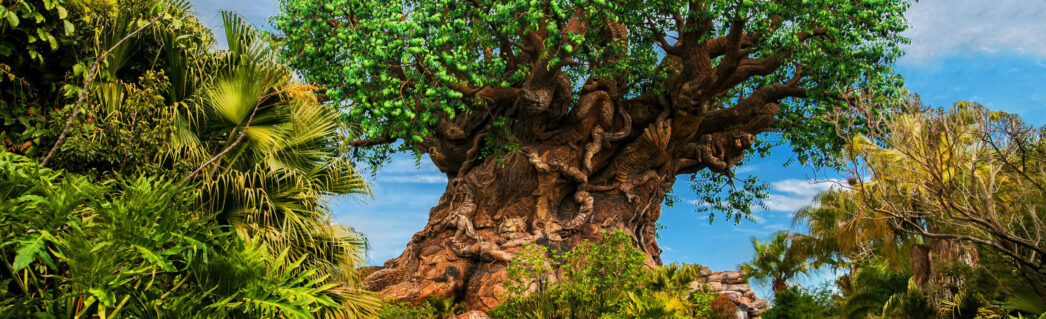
(733, 285)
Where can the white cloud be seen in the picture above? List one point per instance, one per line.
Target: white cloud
(942, 27)
(802, 187)
(790, 195)
(747, 168)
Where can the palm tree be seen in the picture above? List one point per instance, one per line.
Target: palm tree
(842, 230)
(874, 289)
(264, 153)
(777, 261)
(267, 155)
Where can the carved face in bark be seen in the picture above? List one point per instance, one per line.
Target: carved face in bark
(512, 225)
(555, 121)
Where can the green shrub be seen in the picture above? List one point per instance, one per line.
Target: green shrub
(133, 247)
(803, 303)
(432, 308)
(595, 279)
(603, 279)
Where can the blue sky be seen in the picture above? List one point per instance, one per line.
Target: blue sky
(988, 51)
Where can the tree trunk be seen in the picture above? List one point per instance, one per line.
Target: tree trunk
(487, 214)
(779, 285)
(577, 168)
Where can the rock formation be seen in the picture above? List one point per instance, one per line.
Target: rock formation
(734, 286)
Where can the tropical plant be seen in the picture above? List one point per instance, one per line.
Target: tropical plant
(529, 272)
(671, 278)
(777, 261)
(655, 305)
(797, 302)
(605, 279)
(267, 156)
(964, 183)
(134, 247)
(868, 289)
(597, 272)
(597, 278)
(405, 310)
(154, 98)
(39, 41)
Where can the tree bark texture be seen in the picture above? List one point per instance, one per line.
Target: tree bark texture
(587, 159)
(606, 169)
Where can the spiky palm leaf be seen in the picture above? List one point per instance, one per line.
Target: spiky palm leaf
(271, 184)
(777, 261)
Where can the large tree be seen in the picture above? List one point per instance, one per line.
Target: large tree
(555, 120)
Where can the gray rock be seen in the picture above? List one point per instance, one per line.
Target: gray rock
(742, 288)
(734, 296)
(705, 271)
(717, 286)
(695, 286)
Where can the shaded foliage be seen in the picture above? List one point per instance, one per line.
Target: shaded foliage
(164, 104)
(133, 247)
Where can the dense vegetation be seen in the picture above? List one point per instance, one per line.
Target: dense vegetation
(146, 173)
(942, 216)
(605, 279)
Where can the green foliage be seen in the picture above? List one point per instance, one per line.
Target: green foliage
(262, 151)
(38, 42)
(656, 305)
(129, 125)
(530, 270)
(777, 261)
(866, 290)
(432, 308)
(930, 168)
(672, 277)
(736, 200)
(604, 279)
(608, 267)
(133, 247)
(708, 304)
(400, 310)
(402, 66)
(803, 303)
(598, 275)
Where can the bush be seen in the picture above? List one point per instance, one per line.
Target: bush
(604, 279)
(803, 303)
(596, 278)
(133, 247)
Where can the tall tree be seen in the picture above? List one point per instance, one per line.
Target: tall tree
(967, 181)
(554, 120)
